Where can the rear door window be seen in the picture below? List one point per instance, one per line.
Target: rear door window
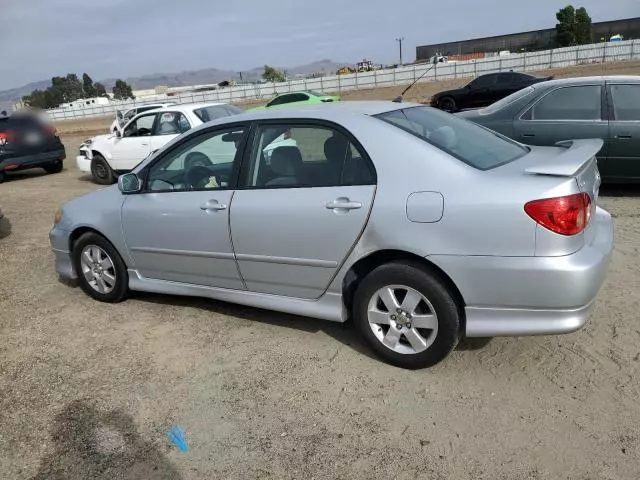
(171, 123)
(626, 102)
(583, 102)
(484, 81)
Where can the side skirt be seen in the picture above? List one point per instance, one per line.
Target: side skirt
(327, 307)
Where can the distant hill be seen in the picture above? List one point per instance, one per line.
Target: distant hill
(195, 77)
(16, 94)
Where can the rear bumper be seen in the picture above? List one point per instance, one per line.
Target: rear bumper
(84, 164)
(31, 161)
(532, 295)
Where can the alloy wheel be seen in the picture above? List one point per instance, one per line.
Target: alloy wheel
(402, 319)
(98, 269)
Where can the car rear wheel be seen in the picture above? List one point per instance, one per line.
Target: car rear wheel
(2, 176)
(407, 315)
(55, 167)
(101, 271)
(448, 104)
(101, 171)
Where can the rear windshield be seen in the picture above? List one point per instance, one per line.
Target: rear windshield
(474, 145)
(207, 114)
(19, 122)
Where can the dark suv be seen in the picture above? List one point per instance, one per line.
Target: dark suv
(26, 141)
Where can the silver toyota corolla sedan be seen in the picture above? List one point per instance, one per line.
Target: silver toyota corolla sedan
(422, 227)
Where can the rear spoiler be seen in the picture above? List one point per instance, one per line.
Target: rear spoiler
(568, 163)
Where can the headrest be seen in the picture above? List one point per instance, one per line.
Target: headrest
(285, 161)
(336, 148)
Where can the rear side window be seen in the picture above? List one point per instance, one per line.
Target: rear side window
(466, 141)
(626, 102)
(582, 102)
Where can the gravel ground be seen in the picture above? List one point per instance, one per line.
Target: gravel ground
(89, 390)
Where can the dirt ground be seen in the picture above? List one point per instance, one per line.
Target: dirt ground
(89, 390)
(421, 92)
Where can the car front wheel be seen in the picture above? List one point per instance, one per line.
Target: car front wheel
(101, 271)
(407, 315)
(101, 171)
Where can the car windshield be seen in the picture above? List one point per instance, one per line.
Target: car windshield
(474, 145)
(500, 104)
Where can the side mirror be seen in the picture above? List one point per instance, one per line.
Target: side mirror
(118, 133)
(129, 183)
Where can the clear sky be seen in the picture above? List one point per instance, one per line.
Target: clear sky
(121, 38)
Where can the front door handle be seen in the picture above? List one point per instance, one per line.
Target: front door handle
(528, 135)
(213, 205)
(623, 137)
(144, 144)
(342, 203)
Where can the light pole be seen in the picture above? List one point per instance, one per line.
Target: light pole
(400, 40)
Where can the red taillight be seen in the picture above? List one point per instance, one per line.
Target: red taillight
(568, 215)
(5, 137)
(50, 130)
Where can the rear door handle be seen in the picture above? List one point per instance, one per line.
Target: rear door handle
(343, 203)
(528, 135)
(144, 144)
(213, 205)
(623, 137)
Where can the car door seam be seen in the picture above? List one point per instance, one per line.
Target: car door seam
(233, 248)
(353, 246)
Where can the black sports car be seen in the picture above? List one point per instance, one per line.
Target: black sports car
(484, 90)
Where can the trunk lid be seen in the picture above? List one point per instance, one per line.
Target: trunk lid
(569, 167)
(577, 160)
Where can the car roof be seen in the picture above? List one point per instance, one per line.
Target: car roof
(186, 107)
(325, 110)
(338, 112)
(588, 80)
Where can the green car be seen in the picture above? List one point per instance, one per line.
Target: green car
(573, 108)
(308, 97)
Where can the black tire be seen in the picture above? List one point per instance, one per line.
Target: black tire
(448, 104)
(101, 171)
(121, 287)
(431, 287)
(55, 167)
(2, 176)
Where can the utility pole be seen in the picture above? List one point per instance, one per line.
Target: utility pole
(400, 40)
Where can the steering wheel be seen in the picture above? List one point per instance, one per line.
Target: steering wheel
(194, 159)
(197, 177)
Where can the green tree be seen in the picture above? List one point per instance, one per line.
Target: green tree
(101, 91)
(39, 99)
(122, 90)
(566, 26)
(583, 27)
(88, 87)
(271, 74)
